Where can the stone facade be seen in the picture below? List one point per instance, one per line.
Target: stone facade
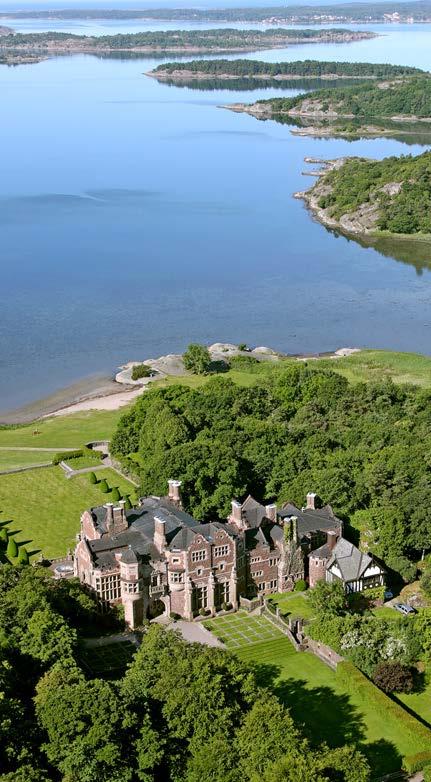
(156, 558)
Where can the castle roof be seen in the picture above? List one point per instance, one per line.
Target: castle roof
(253, 511)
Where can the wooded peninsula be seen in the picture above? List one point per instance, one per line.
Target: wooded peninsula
(376, 198)
(173, 41)
(371, 108)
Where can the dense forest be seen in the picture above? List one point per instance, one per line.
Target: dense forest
(180, 713)
(400, 186)
(420, 10)
(363, 448)
(219, 38)
(410, 97)
(312, 68)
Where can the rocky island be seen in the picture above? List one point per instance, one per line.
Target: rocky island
(372, 108)
(228, 70)
(173, 41)
(375, 199)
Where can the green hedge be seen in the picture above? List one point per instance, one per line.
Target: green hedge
(67, 456)
(357, 683)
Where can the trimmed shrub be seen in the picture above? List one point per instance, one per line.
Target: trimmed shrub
(244, 363)
(23, 556)
(300, 586)
(427, 773)
(127, 503)
(4, 537)
(103, 486)
(12, 548)
(67, 456)
(204, 612)
(141, 370)
(115, 496)
(92, 477)
(392, 676)
(174, 616)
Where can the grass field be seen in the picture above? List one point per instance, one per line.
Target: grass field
(65, 431)
(18, 458)
(43, 508)
(313, 694)
(419, 702)
(108, 661)
(82, 461)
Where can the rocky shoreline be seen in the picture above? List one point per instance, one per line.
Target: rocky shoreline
(188, 75)
(103, 393)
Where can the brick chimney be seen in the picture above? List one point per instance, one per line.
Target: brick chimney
(159, 533)
(120, 520)
(311, 501)
(331, 538)
(109, 518)
(174, 492)
(271, 512)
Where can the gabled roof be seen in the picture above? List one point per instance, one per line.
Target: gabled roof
(319, 520)
(351, 562)
(253, 511)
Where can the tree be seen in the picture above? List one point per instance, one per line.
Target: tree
(328, 599)
(103, 486)
(197, 359)
(425, 582)
(214, 760)
(48, 637)
(348, 763)
(12, 548)
(392, 676)
(92, 477)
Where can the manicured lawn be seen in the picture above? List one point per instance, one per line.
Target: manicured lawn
(419, 702)
(17, 458)
(83, 461)
(68, 431)
(43, 508)
(293, 604)
(316, 698)
(109, 661)
(239, 630)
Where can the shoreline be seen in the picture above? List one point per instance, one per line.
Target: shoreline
(103, 393)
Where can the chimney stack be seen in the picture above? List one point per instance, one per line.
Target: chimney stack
(271, 512)
(331, 538)
(120, 520)
(159, 533)
(236, 514)
(174, 492)
(311, 501)
(109, 518)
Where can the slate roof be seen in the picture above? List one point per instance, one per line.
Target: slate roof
(351, 562)
(321, 519)
(323, 552)
(267, 535)
(253, 511)
(185, 536)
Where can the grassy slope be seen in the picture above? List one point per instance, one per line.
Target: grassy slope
(43, 508)
(65, 431)
(317, 701)
(419, 702)
(293, 604)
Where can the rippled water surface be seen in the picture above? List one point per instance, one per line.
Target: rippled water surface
(136, 217)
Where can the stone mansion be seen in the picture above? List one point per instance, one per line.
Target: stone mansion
(156, 558)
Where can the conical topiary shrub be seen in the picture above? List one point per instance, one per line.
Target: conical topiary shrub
(23, 556)
(92, 477)
(3, 535)
(12, 548)
(115, 496)
(104, 488)
(127, 504)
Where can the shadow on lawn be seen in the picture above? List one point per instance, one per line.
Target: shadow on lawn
(329, 717)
